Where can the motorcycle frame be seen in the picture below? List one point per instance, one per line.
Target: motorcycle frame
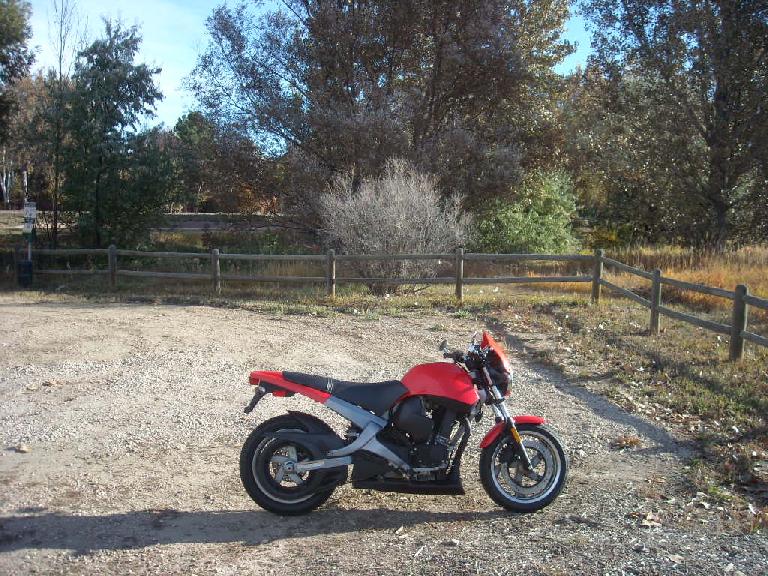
(370, 424)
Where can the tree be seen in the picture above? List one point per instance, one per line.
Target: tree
(689, 80)
(539, 219)
(339, 87)
(219, 168)
(64, 27)
(15, 56)
(15, 60)
(194, 147)
(28, 148)
(117, 180)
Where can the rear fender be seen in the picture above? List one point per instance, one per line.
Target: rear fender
(283, 387)
(311, 424)
(494, 432)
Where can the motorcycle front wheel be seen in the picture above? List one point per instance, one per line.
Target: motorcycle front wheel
(505, 478)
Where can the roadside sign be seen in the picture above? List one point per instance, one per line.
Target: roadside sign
(30, 211)
(30, 216)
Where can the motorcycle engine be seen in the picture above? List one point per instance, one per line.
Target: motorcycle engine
(413, 419)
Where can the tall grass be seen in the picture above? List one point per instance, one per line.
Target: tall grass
(747, 265)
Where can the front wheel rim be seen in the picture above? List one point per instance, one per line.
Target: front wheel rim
(519, 485)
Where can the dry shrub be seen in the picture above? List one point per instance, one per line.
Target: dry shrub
(400, 212)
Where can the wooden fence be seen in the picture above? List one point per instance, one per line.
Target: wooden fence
(740, 297)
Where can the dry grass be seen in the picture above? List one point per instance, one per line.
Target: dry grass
(748, 265)
(11, 218)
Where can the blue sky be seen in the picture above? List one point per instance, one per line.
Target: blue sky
(174, 34)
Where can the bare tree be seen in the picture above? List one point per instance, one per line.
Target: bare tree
(64, 31)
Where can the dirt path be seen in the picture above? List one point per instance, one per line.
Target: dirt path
(132, 415)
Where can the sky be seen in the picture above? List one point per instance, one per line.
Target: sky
(174, 34)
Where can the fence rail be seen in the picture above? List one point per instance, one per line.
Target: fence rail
(740, 297)
(700, 288)
(527, 279)
(163, 254)
(627, 293)
(627, 268)
(695, 320)
(71, 251)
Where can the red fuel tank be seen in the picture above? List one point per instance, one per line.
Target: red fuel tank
(441, 380)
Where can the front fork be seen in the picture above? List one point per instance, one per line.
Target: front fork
(503, 415)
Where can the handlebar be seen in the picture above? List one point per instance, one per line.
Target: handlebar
(455, 355)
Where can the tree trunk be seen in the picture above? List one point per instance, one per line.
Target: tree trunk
(97, 205)
(721, 229)
(720, 177)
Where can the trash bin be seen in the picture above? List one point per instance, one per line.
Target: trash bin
(24, 273)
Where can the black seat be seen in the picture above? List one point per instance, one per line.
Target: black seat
(376, 397)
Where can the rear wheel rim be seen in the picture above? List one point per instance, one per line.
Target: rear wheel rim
(522, 486)
(275, 477)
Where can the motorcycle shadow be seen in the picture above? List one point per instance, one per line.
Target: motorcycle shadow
(130, 530)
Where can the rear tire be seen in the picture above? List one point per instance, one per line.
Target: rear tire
(255, 475)
(505, 479)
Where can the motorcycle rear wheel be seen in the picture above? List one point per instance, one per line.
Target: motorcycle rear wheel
(260, 469)
(508, 483)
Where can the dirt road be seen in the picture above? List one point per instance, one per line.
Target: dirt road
(121, 427)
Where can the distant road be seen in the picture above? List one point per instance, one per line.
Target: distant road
(193, 222)
(188, 222)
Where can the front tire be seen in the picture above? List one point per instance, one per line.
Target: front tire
(260, 460)
(508, 483)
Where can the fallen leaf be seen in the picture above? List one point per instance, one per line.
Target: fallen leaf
(650, 521)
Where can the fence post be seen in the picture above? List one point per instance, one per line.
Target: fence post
(112, 260)
(459, 274)
(216, 270)
(738, 322)
(597, 275)
(330, 274)
(16, 260)
(655, 302)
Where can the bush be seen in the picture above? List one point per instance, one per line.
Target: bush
(538, 220)
(399, 212)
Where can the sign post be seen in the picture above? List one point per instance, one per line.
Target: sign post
(30, 217)
(25, 266)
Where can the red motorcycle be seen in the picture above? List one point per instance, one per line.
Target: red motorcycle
(403, 436)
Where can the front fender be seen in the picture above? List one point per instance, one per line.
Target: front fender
(494, 432)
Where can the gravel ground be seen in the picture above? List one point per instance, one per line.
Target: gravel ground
(121, 427)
